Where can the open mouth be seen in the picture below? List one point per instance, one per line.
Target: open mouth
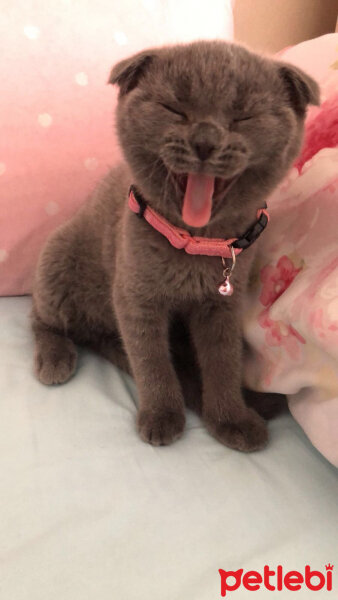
(199, 190)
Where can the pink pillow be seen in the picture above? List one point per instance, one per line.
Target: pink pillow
(57, 111)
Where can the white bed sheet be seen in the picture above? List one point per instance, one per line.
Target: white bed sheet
(88, 511)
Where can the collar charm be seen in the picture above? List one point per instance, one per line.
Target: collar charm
(226, 288)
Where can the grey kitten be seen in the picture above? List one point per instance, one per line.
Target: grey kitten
(207, 130)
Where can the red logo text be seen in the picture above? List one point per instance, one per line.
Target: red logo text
(276, 580)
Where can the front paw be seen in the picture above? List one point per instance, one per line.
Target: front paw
(248, 434)
(160, 427)
(55, 367)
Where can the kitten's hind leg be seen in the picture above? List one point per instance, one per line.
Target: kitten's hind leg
(267, 404)
(55, 354)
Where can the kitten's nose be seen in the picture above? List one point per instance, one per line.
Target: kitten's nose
(203, 149)
(204, 140)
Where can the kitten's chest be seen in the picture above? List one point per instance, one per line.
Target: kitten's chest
(188, 276)
(164, 271)
(182, 276)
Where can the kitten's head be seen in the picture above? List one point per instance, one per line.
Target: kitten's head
(209, 127)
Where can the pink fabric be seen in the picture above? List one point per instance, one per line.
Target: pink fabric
(56, 110)
(292, 314)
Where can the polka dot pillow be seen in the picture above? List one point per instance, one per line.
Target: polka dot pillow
(57, 135)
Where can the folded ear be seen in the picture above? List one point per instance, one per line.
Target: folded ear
(301, 88)
(128, 72)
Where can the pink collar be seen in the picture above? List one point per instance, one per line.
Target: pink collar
(181, 239)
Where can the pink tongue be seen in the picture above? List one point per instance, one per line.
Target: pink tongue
(197, 203)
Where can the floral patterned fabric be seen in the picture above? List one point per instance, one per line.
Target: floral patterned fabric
(291, 320)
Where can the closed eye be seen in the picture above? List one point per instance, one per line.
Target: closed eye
(173, 110)
(243, 119)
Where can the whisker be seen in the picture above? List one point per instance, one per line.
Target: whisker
(145, 169)
(176, 146)
(165, 185)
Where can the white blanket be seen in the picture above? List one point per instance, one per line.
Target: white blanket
(89, 512)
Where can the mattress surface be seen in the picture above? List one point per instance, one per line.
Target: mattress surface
(88, 511)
